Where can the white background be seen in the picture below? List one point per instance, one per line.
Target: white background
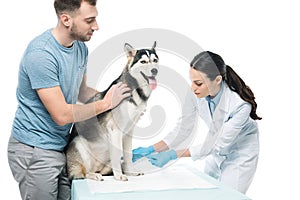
(259, 39)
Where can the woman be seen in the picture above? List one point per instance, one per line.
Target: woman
(227, 106)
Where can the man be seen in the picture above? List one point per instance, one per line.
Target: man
(52, 77)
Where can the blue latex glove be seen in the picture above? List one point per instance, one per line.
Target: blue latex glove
(141, 152)
(162, 158)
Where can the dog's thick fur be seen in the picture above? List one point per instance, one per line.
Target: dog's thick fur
(98, 144)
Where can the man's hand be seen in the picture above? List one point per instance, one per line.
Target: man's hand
(116, 94)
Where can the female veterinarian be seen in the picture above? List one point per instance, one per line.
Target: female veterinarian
(227, 106)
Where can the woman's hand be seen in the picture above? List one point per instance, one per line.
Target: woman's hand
(141, 152)
(162, 158)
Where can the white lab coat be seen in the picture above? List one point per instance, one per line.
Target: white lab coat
(231, 146)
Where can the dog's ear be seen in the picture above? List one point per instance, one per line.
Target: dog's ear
(154, 45)
(129, 50)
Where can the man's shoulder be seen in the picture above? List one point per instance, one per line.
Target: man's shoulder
(40, 42)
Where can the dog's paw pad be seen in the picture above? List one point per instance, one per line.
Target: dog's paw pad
(99, 178)
(95, 176)
(121, 178)
(138, 174)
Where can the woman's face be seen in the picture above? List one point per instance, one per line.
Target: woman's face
(203, 86)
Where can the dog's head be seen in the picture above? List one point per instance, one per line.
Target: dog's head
(142, 64)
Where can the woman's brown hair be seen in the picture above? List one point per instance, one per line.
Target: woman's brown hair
(213, 65)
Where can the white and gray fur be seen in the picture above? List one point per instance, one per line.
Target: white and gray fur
(98, 144)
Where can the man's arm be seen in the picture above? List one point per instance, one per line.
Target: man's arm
(85, 92)
(63, 113)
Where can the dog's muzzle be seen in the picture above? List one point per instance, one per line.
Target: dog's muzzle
(151, 79)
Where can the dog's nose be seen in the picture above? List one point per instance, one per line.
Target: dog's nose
(154, 71)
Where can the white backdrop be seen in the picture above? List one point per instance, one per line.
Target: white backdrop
(259, 39)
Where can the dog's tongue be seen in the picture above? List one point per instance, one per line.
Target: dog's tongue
(152, 83)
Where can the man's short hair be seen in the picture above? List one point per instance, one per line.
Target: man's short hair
(70, 5)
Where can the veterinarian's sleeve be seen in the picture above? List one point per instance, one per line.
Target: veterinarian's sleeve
(183, 133)
(41, 69)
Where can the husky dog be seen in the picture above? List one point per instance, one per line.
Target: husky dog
(98, 144)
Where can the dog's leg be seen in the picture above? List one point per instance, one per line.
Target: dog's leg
(75, 164)
(127, 165)
(106, 170)
(116, 154)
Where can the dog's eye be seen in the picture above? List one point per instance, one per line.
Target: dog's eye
(155, 60)
(143, 61)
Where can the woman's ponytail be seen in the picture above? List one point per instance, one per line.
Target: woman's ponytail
(236, 84)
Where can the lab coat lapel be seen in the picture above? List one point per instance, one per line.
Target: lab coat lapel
(221, 111)
(216, 124)
(204, 111)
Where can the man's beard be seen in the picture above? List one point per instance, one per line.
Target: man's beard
(76, 35)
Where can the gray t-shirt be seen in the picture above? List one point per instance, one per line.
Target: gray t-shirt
(45, 64)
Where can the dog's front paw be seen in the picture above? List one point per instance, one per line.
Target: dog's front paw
(121, 177)
(129, 170)
(94, 176)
